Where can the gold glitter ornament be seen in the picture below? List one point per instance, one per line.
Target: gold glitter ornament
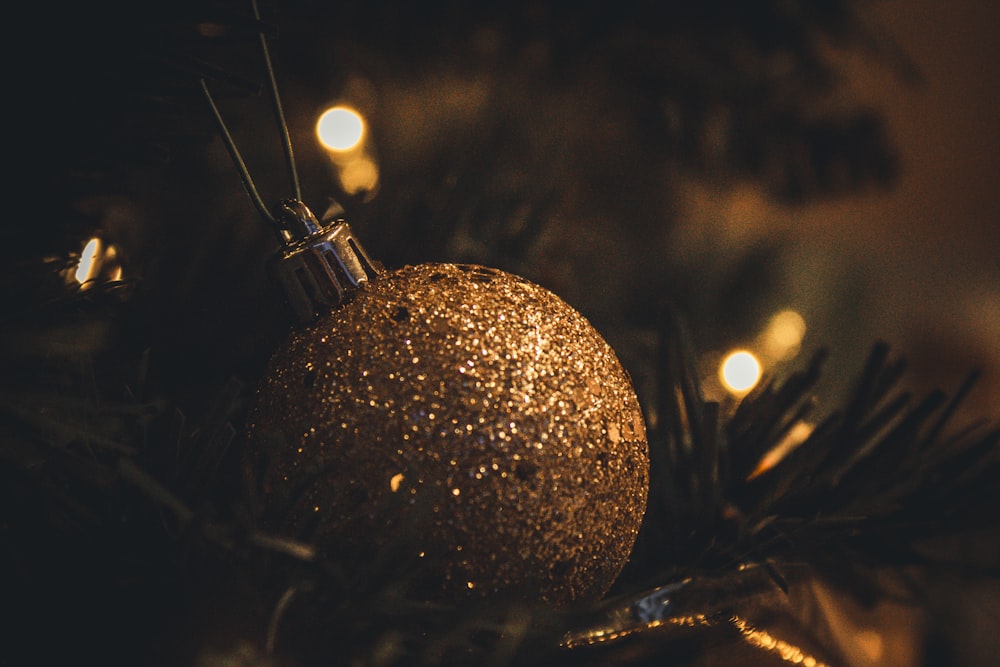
(464, 418)
(461, 417)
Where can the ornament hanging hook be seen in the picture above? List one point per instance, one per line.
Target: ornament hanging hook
(279, 112)
(319, 267)
(286, 140)
(234, 153)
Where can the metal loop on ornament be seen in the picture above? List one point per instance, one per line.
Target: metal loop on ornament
(294, 221)
(320, 267)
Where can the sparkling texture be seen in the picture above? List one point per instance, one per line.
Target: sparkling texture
(465, 418)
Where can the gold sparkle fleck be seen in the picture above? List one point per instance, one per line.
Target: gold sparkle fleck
(395, 481)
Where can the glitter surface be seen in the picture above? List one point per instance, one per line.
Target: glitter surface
(462, 416)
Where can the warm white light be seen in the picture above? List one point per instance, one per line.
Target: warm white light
(359, 175)
(784, 334)
(340, 129)
(86, 268)
(98, 264)
(740, 372)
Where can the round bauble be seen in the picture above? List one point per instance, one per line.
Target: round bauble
(466, 418)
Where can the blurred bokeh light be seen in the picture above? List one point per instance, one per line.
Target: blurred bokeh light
(740, 371)
(340, 129)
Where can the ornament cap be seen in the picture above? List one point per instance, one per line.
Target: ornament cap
(295, 220)
(319, 268)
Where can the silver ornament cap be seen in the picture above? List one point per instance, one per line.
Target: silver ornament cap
(319, 267)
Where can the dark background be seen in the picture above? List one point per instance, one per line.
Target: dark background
(732, 160)
(724, 159)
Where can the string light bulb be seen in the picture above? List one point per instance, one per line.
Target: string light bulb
(340, 129)
(740, 371)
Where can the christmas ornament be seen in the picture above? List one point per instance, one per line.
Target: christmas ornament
(472, 407)
(461, 417)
